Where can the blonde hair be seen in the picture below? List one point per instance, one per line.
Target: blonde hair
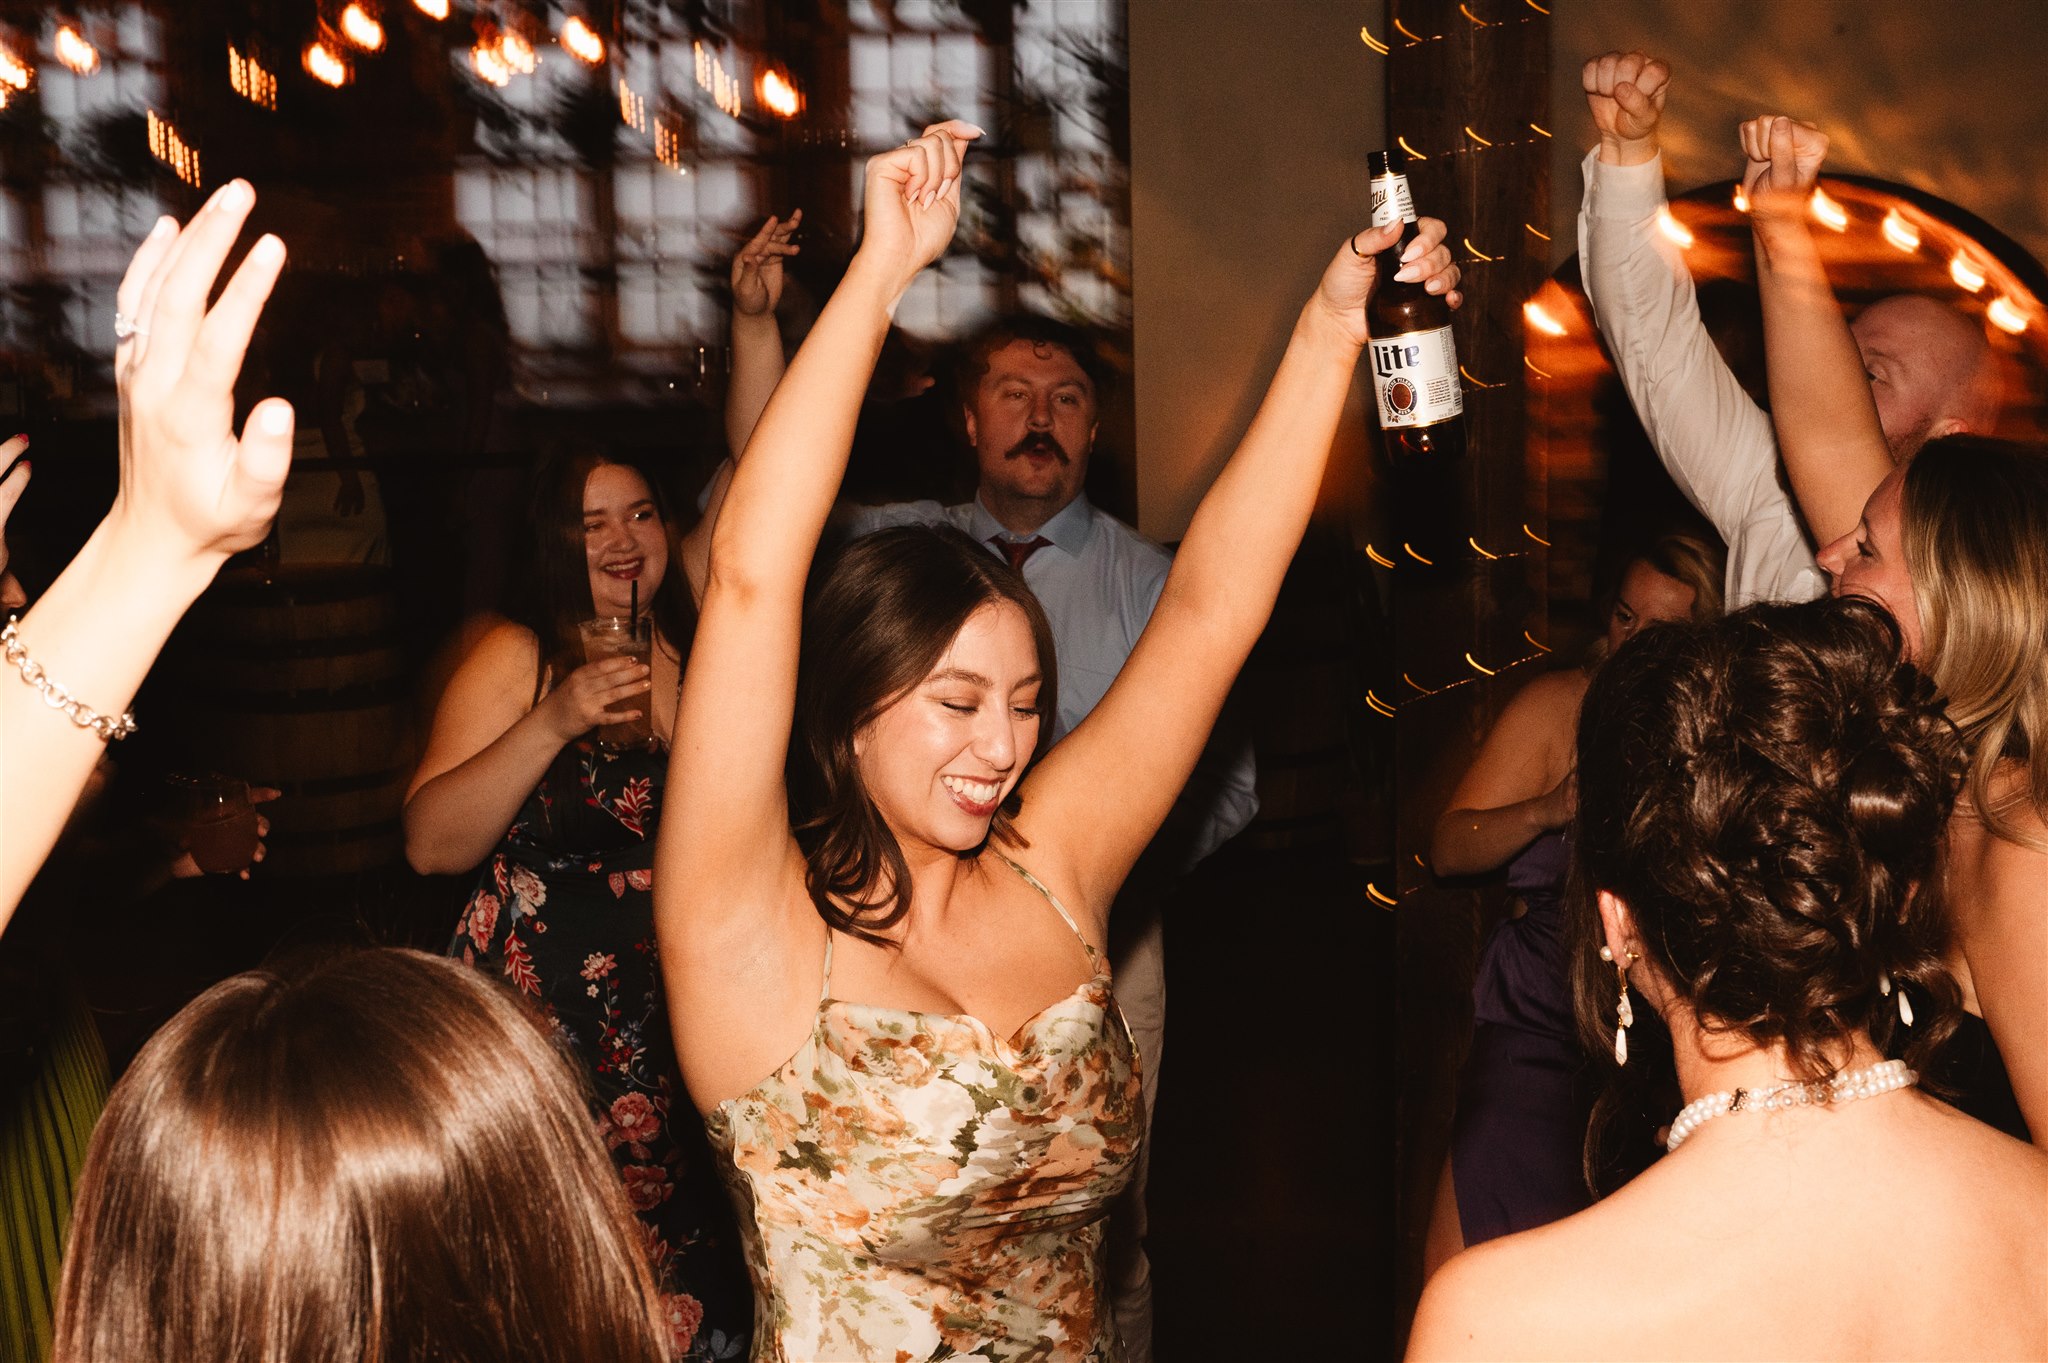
(380, 1159)
(1693, 561)
(1974, 523)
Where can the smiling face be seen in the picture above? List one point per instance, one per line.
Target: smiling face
(1032, 423)
(624, 540)
(940, 758)
(1646, 597)
(1870, 561)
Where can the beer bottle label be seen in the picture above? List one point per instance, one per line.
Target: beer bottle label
(1415, 378)
(1391, 201)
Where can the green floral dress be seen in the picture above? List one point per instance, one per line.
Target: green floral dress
(912, 1186)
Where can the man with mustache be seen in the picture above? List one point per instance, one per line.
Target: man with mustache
(1028, 388)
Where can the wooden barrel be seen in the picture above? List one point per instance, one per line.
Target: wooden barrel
(298, 682)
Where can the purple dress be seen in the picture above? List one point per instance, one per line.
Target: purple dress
(1526, 1091)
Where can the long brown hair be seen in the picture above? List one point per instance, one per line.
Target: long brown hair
(888, 610)
(1974, 521)
(378, 1159)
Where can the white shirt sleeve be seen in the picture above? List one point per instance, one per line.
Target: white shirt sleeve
(1715, 442)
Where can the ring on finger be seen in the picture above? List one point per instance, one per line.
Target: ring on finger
(126, 327)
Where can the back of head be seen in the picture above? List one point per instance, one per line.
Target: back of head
(1765, 793)
(1939, 372)
(1974, 522)
(887, 611)
(374, 1159)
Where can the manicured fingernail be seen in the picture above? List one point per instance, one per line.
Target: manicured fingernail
(276, 420)
(267, 249)
(235, 194)
(978, 132)
(163, 227)
(1406, 272)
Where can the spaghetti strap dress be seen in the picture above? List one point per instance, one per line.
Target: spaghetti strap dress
(1527, 1089)
(564, 913)
(912, 1186)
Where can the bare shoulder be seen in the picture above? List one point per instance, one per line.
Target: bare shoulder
(1552, 695)
(494, 646)
(1524, 1296)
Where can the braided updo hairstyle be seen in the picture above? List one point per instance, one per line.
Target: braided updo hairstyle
(1765, 792)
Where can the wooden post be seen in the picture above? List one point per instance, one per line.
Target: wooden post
(1468, 96)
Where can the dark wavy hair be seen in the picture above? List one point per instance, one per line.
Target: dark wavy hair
(1766, 793)
(557, 594)
(884, 616)
(380, 1157)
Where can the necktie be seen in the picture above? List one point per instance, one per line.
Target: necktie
(1018, 550)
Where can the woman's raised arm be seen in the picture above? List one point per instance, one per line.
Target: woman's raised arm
(1834, 450)
(725, 848)
(192, 493)
(1142, 740)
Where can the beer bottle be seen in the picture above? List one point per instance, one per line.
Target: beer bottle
(1414, 358)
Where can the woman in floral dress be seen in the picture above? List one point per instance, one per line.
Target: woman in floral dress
(515, 776)
(861, 944)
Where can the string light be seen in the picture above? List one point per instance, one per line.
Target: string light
(1380, 706)
(1672, 228)
(1541, 374)
(778, 95)
(1534, 536)
(433, 9)
(75, 52)
(1473, 135)
(14, 72)
(1406, 32)
(1741, 200)
(668, 147)
(174, 151)
(1377, 557)
(1419, 687)
(1900, 233)
(517, 53)
(1479, 666)
(1477, 254)
(1538, 8)
(489, 65)
(1365, 35)
(717, 79)
(1537, 642)
(1481, 552)
(1413, 154)
(1533, 312)
(2006, 316)
(1409, 549)
(1374, 893)
(632, 108)
(1827, 212)
(1540, 132)
(250, 80)
(1477, 22)
(360, 28)
(1475, 380)
(326, 65)
(1964, 272)
(1540, 233)
(582, 41)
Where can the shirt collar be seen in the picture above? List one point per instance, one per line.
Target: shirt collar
(1069, 530)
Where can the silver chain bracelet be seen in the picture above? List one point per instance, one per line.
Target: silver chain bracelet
(57, 697)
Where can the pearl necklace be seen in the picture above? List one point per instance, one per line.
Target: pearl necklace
(1884, 1077)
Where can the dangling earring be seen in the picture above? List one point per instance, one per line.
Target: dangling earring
(1884, 986)
(1624, 1014)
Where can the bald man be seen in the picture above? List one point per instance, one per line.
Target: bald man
(1931, 369)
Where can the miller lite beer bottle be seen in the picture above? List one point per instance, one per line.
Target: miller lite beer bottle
(1414, 359)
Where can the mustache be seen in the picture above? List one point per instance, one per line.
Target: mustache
(1039, 443)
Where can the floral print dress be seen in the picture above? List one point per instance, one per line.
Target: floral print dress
(565, 913)
(912, 1186)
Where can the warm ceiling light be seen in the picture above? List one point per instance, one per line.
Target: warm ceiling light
(517, 53)
(1899, 232)
(489, 65)
(75, 52)
(1541, 320)
(326, 65)
(2006, 317)
(582, 41)
(1829, 213)
(433, 9)
(1964, 272)
(1741, 200)
(361, 29)
(779, 95)
(14, 71)
(1671, 227)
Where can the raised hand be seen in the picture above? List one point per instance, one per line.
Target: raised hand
(912, 199)
(1353, 273)
(12, 485)
(757, 269)
(1784, 159)
(188, 484)
(584, 699)
(1625, 91)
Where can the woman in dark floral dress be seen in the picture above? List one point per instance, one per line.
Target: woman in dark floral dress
(514, 773)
